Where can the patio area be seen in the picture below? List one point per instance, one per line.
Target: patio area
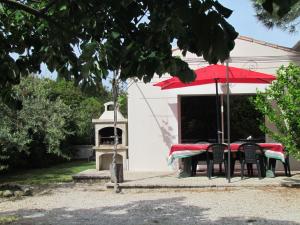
(161, 180)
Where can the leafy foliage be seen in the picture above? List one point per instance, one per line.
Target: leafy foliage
(122, 102)
(278, 7)
(48, 117)
(284, 15)
(89, 108)
(66, 91)
(83, 106)
(244, 120)
(12, 139)
(39, 122)
(281, 106)
(42, 119)
(83, 40)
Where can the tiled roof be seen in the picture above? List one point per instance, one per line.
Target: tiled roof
(297, 46)
(245, 38)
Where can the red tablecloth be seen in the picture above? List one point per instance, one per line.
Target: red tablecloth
(277, 147)
(191, 147)
(272, 150)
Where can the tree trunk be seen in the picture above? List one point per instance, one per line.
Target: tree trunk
(115, 100)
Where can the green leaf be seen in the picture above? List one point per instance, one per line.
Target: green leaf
(115, 35)
(1, 8)
(222, 10)
(281, 106)
(63, 8)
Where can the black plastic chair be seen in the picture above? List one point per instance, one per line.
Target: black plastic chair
(197, 158)
(195, 161)
(251, 153)
(235, 156)
(215, 155)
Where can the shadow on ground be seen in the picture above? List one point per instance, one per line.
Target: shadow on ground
(168, 211)
(293, 181)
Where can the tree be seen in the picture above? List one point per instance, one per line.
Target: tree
(84, 107)
(48, 118)
(285, 16)
(88, 109)
(38, 125)
(83, 40)
(281, 106)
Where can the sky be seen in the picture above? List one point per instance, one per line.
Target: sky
(244, 21)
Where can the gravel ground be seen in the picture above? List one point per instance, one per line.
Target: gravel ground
(92, 204)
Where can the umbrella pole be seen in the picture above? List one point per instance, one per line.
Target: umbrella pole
(217, 112)
(222, 118)
(228, 121)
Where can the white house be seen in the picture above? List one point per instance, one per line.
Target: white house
(154, 116)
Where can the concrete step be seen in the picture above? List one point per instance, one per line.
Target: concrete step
(92, 176)
(169, 180)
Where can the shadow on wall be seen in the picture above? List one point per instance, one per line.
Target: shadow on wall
(166, 211)
(167, 133)
(166, 130)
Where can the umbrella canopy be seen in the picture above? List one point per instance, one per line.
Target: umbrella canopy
(217, 73)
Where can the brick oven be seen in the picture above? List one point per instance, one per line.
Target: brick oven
(104, 138)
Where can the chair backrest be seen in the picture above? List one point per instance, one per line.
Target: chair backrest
(250, 151)
(217, 151)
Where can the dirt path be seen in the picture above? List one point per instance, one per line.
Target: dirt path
(91, 204)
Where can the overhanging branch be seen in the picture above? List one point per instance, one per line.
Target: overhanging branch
(47, 6)
(20, 6)
(37, 13)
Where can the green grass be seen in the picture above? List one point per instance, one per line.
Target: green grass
(55, 174)
(8, 219)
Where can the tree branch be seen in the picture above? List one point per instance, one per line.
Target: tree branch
(142, 16)
(20, 6)
(38, 13)
(47, 6)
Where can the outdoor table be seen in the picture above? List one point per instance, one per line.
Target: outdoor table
(177, 151)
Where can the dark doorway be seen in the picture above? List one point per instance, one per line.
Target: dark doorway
(198, 116)
(198, 119)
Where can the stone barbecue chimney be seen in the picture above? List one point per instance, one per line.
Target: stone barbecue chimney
(104, 138)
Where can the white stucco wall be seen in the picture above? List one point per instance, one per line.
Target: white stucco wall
(153, 114)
